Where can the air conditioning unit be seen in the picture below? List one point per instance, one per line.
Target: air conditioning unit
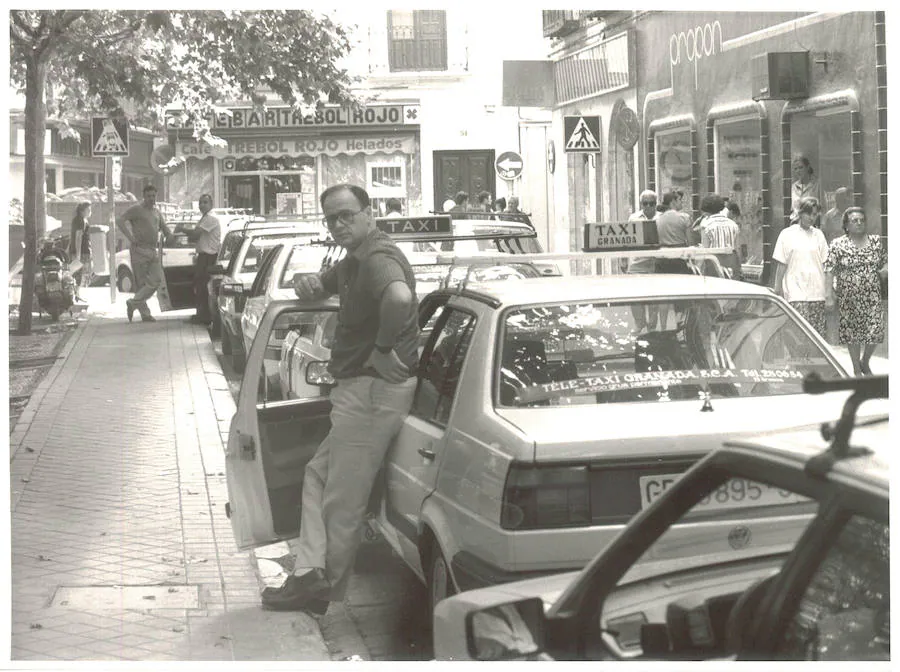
(560, 22)
(782, 75)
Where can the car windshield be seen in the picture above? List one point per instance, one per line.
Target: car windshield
(303, 258)
(603, 352)
(256, 252)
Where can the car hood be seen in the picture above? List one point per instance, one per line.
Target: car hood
(670, 428)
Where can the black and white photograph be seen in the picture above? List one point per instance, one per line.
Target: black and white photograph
(477, 333)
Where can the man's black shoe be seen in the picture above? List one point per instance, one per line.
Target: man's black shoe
(129, 309)
(299, 593)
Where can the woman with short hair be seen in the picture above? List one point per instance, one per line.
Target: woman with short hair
(858, 263)
(800, 253)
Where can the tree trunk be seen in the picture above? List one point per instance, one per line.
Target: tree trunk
(34, 204)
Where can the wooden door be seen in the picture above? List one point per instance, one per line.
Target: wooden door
(471, 171)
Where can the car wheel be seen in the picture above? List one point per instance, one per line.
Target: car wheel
(440, 583)
(125, 280)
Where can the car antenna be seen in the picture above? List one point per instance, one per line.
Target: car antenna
(869, 387)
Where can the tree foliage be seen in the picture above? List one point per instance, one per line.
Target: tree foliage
(139, 63)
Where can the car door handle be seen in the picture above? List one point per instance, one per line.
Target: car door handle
(427, 453)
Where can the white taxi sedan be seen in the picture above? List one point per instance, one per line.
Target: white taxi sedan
(548, 412)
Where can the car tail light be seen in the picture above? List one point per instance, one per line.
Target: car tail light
(538, 497)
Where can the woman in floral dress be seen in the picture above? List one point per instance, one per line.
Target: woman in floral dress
(858, 261)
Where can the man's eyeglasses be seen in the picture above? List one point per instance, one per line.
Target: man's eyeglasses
(857, 219)
(344, 217)
(648, 202)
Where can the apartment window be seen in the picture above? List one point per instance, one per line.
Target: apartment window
(417, 39)
(50, 180)
(83, 179)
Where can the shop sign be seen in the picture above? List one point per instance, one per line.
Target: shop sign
(239, 118)
(303, 146)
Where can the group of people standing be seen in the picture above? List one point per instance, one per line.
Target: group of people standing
(483, 203)
(815, 276)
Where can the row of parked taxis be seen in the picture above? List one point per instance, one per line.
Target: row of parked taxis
(565, 409)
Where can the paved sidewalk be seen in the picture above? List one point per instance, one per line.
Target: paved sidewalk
(120, 545)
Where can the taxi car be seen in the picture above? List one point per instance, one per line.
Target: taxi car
(823, 596)
(544, 419)
(238, 278)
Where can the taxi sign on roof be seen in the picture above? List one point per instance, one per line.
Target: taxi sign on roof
(608, 236)
(424, 225)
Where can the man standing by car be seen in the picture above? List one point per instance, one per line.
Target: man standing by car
(144, 224)
(373, 361)
(207, 238)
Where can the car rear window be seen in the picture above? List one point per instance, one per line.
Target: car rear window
(660, 350)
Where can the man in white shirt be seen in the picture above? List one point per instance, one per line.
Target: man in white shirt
(801, 251)
(833, 220)
(645, 317)
(207, 238)
(717, 231)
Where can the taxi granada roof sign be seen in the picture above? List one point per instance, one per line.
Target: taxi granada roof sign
(606, 236)
(422, 225)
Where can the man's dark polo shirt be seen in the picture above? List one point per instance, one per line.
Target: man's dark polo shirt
(360, 279)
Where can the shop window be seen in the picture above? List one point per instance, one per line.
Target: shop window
(290, 194)
(739, 177)
(824, 138)
(82, 178)
(673, 162)
(386, 179)
(417, 40)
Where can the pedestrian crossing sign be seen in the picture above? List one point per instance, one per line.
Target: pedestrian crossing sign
(582, 133)
(109, 136)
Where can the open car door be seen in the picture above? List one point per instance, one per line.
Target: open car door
(271, 439)
(177, 254)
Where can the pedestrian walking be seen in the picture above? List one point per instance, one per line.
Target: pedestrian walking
(720, 231)
(801, 251)
(373, 361)
(393, 207)
(461, 202)
(142, 225)
(857, 263)
(674, 229)
(483, 201)
(804, 184)
(80, 245)
(833, 220)
(500, 204)
(645, 317)
(207, 239)
(513, 205)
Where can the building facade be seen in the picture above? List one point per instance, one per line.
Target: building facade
(724, 100)
(432, 123)
(68, 162)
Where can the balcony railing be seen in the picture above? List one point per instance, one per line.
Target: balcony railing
(559, 22)
(592, 71)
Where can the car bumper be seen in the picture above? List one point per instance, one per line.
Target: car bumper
(472, 572)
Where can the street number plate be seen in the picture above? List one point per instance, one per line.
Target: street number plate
(733, 494)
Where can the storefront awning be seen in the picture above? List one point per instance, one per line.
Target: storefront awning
(259, 147)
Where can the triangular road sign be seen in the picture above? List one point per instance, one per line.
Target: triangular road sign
(582, 137)
(109, 140)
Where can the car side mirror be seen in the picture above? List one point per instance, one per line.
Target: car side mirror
(507, 631)
(317, 374)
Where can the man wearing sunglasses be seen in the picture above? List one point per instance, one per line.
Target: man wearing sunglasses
(373, 361)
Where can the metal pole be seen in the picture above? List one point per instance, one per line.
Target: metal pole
(111, 236)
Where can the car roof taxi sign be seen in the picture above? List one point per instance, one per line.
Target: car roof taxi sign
(424, 225)
(608, 236)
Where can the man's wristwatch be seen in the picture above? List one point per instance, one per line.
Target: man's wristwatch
(384, 349)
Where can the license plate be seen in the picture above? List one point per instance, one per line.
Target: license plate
(733, 494)
(53, 286)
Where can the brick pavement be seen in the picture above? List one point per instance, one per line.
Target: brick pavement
(117, 486)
